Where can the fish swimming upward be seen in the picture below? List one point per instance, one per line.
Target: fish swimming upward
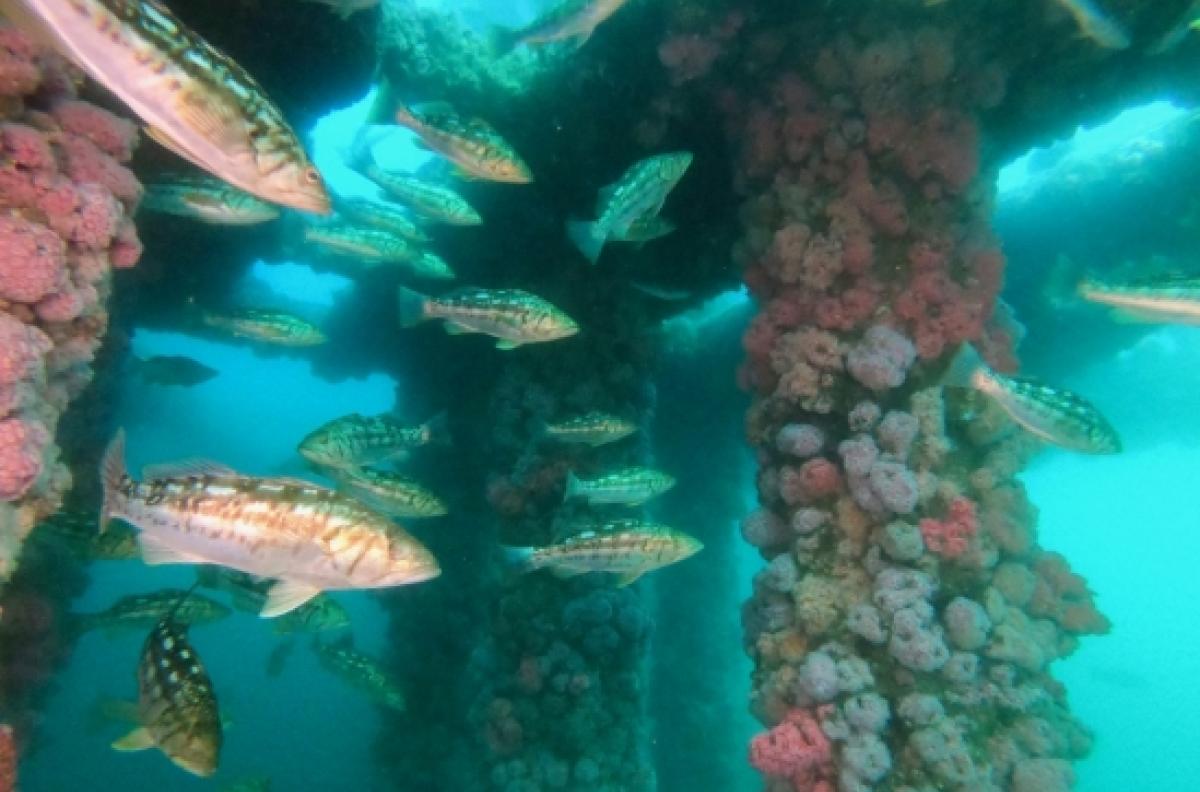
(628, 206)
(177, 708)
(194, 100)
(308, 538)
(1059, 417)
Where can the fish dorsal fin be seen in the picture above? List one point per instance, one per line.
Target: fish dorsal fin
(155, 552)
(187, 468)
(137, 740)
(287, 595)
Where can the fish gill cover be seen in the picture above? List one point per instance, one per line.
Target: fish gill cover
(527, 264)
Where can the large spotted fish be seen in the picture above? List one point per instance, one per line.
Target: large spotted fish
(194, 100)
(1056, 416)
(177, 708)
(308, 538)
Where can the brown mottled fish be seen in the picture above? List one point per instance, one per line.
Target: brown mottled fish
(570, 20)
(471, 144)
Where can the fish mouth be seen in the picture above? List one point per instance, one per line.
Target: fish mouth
(313, 201)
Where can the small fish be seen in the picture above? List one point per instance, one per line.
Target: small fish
(308, 538)
(270, 327)
(427, 199)
(207, 200)
(354, 440)
(169, 370)
(139, 611)
(645, 229)
(390, 493)
(1096, 25)
(631, 486)
(177, 708)
(194, 100)
(346, 8)
(512, 316)
(319, 614)
(1169, 299)
(637, 196)
(570, 20)
(362, 672)
(1059, 417)
(473, 145)
(384, 215)
(628, 548)
(373, 247)
(77, 530)
(592, 428)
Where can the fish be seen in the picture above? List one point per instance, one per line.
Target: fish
(177, 707)
(76, 528)
(1165, 299)
(630, 486)
(384, 215)
(431, 201)
(319, 614)
(664, 293)
(634, 198)
(628, 548)
(354, 440)
(207, 200)
(390, 493)
(593, 428)
(140, 611)
(472, 145)
(193, 99)
(373, 247)
(1057, 416)
(1096, 25)
(106, 710)
(512, 316)
(362, 672)
(278, 328)
(645, 229)
(308, 538)
(1184, 24)
(346, 8)
(169, 370)
(572, 21)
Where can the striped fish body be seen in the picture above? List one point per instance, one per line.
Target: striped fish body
(209, 201)
(1173, 301)
(628, 548)
(193, 99)
(431, 201)
(270, 327)
(391, 493)
(363, 673)
(369, 244)
(354, 440)
(307, 537)
(593, 428)
(473, 145)
(640, 193)
(146, 610)
(629, 486)
(570, 20)
(176, 703)
(382, 215)
(514, 317)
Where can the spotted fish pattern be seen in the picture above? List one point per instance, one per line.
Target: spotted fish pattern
(626, 547)
(472, 144)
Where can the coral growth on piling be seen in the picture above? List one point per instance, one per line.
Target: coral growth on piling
(68, 200)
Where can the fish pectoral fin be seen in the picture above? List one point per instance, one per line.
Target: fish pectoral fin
(287, 595)
(454, 328)
(578, 41)
(216, 123)
(155, 552)
(626, 578)
(187, 468)
(506, 345)
(137, 740)
(166, 141)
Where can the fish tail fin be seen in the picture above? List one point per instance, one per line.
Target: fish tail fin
(411, 306)
(437, 430)
(962, 368)
(588, 237)
(573, 487)
(383, 108)
(519, 560)
(502, 40)
(113, 475)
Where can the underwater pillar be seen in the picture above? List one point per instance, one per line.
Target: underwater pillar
(67, 203)
(560, 680)
(905, 621)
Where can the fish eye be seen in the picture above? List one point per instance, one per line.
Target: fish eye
(312, 175)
